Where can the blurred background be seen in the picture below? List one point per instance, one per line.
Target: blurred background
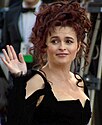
(92, 73)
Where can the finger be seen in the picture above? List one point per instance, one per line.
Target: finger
(8, 65)
(13, 52)
(9, 52)
(21, 58)
(4, 61)
(6, 55)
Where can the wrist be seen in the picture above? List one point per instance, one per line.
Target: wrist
(18, 74)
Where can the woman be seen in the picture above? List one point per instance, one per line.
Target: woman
(52, 94)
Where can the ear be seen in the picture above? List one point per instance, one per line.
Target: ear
(79, 45)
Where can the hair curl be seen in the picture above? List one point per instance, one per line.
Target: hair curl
(60, 13)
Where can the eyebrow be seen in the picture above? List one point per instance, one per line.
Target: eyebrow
(65, 37)
(54, 37)
(69, 38)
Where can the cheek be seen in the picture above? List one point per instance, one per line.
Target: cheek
(51, 50)
(73, 52)
(73, 49)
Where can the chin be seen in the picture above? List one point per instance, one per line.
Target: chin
(62, 63)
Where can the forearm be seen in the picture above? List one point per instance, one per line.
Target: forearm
(16, 98)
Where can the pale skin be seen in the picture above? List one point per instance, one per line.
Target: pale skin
(62, 47)
(31, 3)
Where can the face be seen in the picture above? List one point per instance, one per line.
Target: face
(62, 46)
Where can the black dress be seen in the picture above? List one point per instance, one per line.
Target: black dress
(50, 111)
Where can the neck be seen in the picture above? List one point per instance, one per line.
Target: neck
(61, 71)
(31, 4)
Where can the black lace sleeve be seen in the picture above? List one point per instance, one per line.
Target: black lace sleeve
(16, 99)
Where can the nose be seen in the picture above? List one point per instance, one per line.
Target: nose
(62, 46)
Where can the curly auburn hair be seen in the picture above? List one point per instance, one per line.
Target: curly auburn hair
(61, 13)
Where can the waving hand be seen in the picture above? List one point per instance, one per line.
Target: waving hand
(14, 64)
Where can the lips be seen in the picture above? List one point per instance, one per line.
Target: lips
(62, 54)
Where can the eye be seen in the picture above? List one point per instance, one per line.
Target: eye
(68, 41)
(54, 41)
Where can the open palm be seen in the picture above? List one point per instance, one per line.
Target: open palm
(14, 64)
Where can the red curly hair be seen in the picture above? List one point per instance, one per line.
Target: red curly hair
(60, 13)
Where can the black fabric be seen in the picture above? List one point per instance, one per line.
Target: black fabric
(49, 112)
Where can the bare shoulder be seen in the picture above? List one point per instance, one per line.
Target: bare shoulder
(35, 83)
